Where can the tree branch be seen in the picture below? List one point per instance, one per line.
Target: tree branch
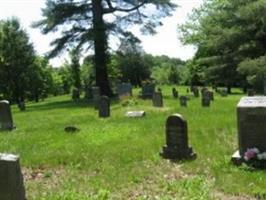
(111, 9)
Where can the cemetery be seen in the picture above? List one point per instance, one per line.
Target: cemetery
(132, 100)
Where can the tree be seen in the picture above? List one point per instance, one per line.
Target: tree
(86, 24)
(16, 58)
(75, 68)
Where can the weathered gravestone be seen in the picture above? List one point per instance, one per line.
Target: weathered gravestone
(104, 107)
(251, 119)
(176, 147)
(147, 91)
(124, 89)
(6, 120)
(11, 179)
(96, 96)
(75, 94)
(195, 91)
(183, 101)
(157, 99)
(205, 100)
(175, 93)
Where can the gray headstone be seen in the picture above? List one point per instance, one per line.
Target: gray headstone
(175, 93)
(195, 91)
(124, 89)
(205, 101)
(104, 107)
(251, 119)
(176, 147)
(183, 101)
(6, 120)
(157, 99)
(147, 90)
(135, 114)
(11, 179)
(96, 96)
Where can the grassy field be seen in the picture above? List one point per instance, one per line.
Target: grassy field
(118, 157)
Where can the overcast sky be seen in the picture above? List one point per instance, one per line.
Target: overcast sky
(164, 43)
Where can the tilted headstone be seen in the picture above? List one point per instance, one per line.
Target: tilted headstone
(176, 147)
(251, 119)
(124, 89)
(75, 94)
(104, 107)
(183, 101)
(148, 90)
(135, 114)
(157, 99)
(175, 93)
(96, 96)
(11, 178)
(6, 120)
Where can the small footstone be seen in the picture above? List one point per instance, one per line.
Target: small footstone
(135, 114)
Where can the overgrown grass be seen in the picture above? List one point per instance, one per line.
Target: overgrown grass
(118, 157)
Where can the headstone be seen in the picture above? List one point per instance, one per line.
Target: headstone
(175, 93)
(203, 90)
(124, 89)
(22, 106)
(157, 99)
(250, 92)
(183, 101)
(176, 147)
(75, 94)
(6, 120)
(104, 107)
(195, 91)
(251, 119)
(223, 92)
(88, 93)
(11, 178)
(135, 114)
(205, 101)
(147, 90)
(96, 96)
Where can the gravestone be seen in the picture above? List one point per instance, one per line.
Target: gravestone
(223, 92)
(147, 91)
(250, 92)
(157, 99)
(195, 91)
(135, 114)
(183, 101)
(205, 101)
(104, 107)
(175, 93)
(251, 119)
(11, 178)
(6, 120)
(124, 89)
(88, 93)
(96, 96)
(75, 94)
(203, 90)
(22, 106)
(176, 147)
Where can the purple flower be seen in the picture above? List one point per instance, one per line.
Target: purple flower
(251, 153)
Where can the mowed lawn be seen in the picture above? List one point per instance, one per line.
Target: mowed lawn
(118, 157)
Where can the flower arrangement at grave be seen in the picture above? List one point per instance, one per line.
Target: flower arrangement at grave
(255, 158)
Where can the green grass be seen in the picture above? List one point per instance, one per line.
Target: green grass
(118, 157)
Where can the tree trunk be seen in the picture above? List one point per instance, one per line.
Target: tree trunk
(100, 48)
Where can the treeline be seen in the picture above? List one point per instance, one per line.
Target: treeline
(25, 75)
(230, 36)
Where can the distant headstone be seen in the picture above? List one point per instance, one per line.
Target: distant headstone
(195, 91)
(176, 147)
(104, 107)
(223, 92)
(183, 101)
(96, 96)
(88, 93)
(175, 93)
(157, 99)
(6, 120)
(22, 106)
(11, 178)
(124, 89)
(75, 94)
(135, 114)
(250, 92)
(203, 90)
(147, 90)
(205, 101)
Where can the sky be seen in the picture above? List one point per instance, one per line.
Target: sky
(165, 42)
